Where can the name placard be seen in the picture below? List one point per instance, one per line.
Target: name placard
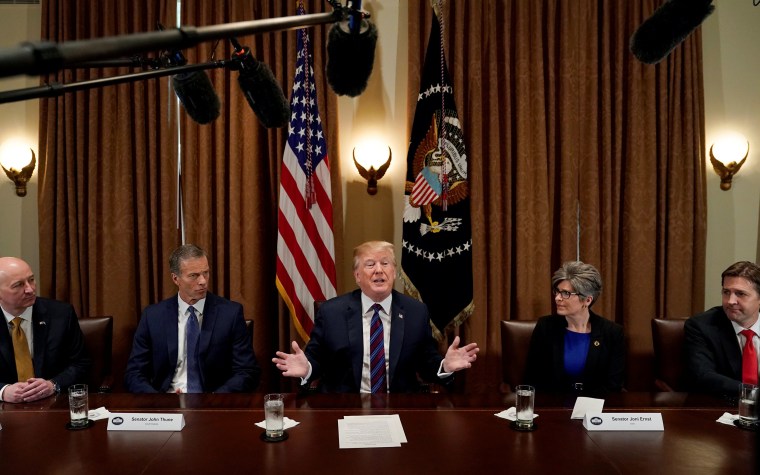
(146, 421)
(640, 421)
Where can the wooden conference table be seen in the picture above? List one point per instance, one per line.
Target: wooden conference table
(446, 434)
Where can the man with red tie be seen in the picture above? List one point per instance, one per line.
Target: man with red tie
(722, 343)
(374, 339)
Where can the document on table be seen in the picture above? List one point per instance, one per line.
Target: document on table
(356, 432)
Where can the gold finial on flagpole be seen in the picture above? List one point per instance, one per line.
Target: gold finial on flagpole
(436, 4)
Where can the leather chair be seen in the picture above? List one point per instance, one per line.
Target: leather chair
(249, 329)
(515, 339)
(98, 336)
(668, 342)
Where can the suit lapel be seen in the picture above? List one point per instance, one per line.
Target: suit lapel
(729, 345)
(595, 346)
(353, 316)
(209, 320)
(40, 324)
(171, 329)
(6, 347)
(397, 336)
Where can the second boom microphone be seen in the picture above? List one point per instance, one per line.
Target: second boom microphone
(260, 88)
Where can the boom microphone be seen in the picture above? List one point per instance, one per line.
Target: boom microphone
(260, 88)
(670, 24)
(194, 90)
(351, 54)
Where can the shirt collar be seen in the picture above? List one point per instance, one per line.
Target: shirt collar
(25, 315)
(367, 303)
(183, 306)
(755, 327)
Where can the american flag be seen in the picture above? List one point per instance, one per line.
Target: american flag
(305, 246)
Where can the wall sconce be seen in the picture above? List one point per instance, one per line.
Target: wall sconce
(369, 157)
(723, 155)
(18, 169)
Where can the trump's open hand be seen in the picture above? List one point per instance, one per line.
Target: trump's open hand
(460, 358)
(294, 364)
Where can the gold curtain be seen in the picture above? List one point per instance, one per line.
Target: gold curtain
(576, 150)
(108, 179)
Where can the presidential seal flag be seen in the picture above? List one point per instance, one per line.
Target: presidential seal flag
(436, 258)
(305, 249)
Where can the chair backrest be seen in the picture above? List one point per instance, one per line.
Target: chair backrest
(668, 342)
(515, 339)
(317, 304)
(98, 336)
(249, 329)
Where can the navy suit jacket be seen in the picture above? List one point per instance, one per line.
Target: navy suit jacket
(336, 346)
(605, 362)
(713, 354)
(59, 352)
(227, 361)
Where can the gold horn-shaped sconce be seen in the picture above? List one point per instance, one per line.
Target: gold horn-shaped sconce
(21, 177)
(725, 164)
(370, 174)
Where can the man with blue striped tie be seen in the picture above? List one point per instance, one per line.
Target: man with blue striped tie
(374, 339)
(194, 341)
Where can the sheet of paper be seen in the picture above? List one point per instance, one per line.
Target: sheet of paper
(366, 432)
(586, 404)
(394, 422)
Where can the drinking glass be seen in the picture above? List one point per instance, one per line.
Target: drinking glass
(274, 408)
(525, 400)
(748, 404)
(78, 407)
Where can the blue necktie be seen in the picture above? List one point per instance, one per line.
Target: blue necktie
(192, 334)
(377, 353)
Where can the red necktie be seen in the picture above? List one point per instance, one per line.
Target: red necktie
(377, 353)
(749, 359)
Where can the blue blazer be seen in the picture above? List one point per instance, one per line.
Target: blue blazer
(713, 354)
(336, 345)
(59, 352)
(227, 361)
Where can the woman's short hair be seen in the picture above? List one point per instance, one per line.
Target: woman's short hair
(584, 278)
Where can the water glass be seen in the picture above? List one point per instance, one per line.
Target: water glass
(748, 404)
(525, 399)
(78, 406)
(274, 408)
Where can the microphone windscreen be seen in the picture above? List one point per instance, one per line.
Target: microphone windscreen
(350, 57)
(197, 96)
(264, 95)
(670, 24)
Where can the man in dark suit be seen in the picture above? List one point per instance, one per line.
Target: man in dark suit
(339, 352)
(192, 342)
(716, 340)
(41, 346)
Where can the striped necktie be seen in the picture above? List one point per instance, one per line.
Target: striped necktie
(377, 353)
(192, 333)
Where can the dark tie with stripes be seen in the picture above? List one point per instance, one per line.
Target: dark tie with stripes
(377, 352)
(193, 333)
